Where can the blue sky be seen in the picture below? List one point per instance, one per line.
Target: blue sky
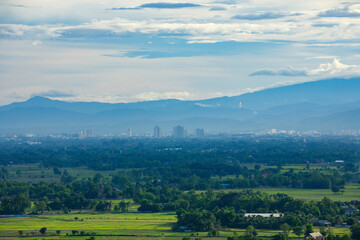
(124, 51)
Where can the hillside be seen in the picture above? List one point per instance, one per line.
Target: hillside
(331, 104)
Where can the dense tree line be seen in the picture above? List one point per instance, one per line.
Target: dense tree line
(227, 210)
(101, 154)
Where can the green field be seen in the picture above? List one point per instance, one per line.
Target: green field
(119, 224)
(111, 226)
(352, 192)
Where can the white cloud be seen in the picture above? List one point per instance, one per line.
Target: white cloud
(193, 32)
(150, 96)
(207, 105)
(322, 57)
(350, 11)
(289, 72)
(53, 94)
(37, 42)
(333, 68)
(282, 22)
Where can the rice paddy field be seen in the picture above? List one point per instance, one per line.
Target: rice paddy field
(111, 226)
(352, 192)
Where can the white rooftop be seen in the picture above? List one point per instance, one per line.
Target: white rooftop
(262, 214)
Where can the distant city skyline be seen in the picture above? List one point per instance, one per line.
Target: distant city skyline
(140, 50)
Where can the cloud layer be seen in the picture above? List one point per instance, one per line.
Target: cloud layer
(53, 94)
(266, 15)
(345, 12)
(150, 96)
(336, 67)
(160, 5)
(104, 50)
(193, 21)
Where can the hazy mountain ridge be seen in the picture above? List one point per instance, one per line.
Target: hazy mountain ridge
(332, 104)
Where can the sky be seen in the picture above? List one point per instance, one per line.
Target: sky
(126, 51)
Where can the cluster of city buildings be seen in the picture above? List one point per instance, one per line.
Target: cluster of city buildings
(85, 133)
(177, 132)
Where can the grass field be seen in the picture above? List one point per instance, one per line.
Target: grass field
(111, 226)
(352, 192)
(120, 224)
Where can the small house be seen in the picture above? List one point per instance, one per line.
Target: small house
(339, 162)
(317, 236)
(348, 210)
(320, 222)
(265, 215)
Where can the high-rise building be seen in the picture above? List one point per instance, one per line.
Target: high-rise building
(157, 132)
(199, 132)
(129, 133)
(178, 132)
(86, 133)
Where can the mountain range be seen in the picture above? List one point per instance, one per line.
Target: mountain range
(323, 105)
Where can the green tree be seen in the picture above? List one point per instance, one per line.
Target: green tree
(286, 229)
(335, 189)
(355, 231)
(298, 230)
(124, 206)
(17, 205)
(323, 231)
(43, 231)
(351, 221)
(98, 177)
(41, 206)
(309, 228)
(251, 231)
(279, 236)
(56, 171)
(345, 237)
(103, 206)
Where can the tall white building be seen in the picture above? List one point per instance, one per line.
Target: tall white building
(199, 132)
(129, 133)
(178, 132)
(86, 133)
(157, 132)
